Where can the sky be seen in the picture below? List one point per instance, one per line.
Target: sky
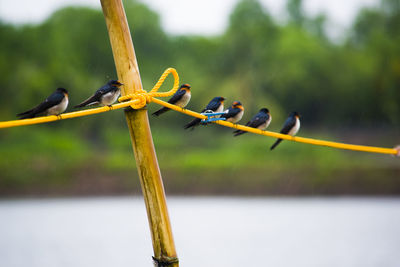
(206, 17)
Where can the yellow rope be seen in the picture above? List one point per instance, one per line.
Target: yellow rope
(311, 141)
(146, 97)
(81, 113)
(136, 101)
(141, 98)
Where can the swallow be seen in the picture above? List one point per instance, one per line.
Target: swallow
(181, 98)
(234, 113)
(291, 127)
(104, 96)
(215, 105)
(260, 121)
(55, 104)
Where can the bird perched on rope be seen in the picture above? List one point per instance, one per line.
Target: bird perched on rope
(55, 104)
(291, 127)
(215, 105)
(234, 113)
(260, 121)
(181, 98)
(104, 96)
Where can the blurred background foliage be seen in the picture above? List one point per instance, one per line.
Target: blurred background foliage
(346, 90)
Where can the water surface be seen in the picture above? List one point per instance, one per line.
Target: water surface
(347, 232)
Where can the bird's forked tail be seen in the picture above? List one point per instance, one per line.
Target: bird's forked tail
(193, 123)
(276, 143)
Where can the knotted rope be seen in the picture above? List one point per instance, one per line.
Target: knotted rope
(144, 97)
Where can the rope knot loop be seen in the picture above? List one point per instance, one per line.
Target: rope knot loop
(143, 97)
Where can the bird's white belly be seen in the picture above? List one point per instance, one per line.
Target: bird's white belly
(236, 118)
(110, 98)
(219, 109)
(265, 124)
(296, 128)
(60, 108)
(184, 100)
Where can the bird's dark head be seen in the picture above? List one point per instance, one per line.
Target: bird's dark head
(185, 87)
(115, 83)
(264, 110)
(295, 114)
(219, 99)
(237, 104)
(62, 90)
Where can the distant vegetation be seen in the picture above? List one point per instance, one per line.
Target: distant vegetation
(351, 89)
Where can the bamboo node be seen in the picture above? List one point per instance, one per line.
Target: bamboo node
(164, 261)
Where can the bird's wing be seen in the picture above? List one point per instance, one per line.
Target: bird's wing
(54, 99)
(289, 124)
(105, 89)
(257, 120)
(94, 99)
(213, 105)
(232, 112)
(177, 96)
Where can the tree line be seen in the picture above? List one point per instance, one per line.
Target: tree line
(283, 66)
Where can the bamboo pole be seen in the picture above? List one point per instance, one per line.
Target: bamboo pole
(142, 141)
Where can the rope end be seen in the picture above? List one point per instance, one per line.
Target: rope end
(398, 151)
